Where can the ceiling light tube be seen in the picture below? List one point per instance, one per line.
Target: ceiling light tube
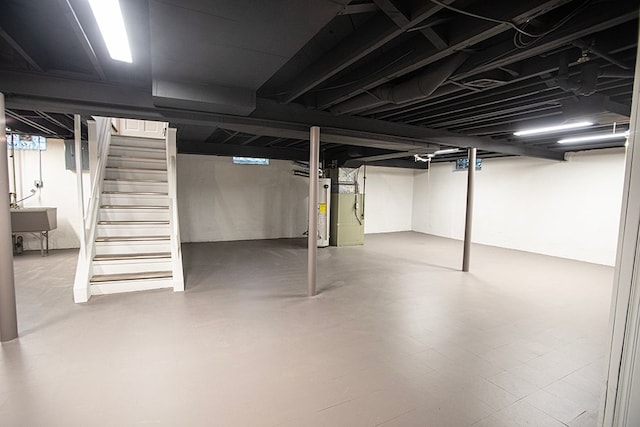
(592, 138)
(550, 129)
(111, 24)
(446, 151)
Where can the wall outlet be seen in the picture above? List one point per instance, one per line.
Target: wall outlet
(38, 183)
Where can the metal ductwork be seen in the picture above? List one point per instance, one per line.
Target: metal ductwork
(420, 86)
(585, 84)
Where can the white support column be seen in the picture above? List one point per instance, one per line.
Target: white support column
(80, 188)
(8, 317)
(314, 161)
(623, 378)
(471, 173)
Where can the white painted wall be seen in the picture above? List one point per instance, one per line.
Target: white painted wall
(59, 191)
(389, 199)
(219, 200)
(568, 209)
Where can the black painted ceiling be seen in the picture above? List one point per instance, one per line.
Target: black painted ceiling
(384, 79)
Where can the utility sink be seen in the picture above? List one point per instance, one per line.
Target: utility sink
(35, 220)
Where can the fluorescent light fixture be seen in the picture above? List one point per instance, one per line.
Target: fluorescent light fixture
(591, 138)
(550, 129)
(446, 151)
(109, 18)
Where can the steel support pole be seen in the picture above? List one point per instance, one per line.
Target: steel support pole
(314, 161)
(8, 317)
(77, 128)
(471, 173)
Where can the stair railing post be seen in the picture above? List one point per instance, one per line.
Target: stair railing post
(80, 187)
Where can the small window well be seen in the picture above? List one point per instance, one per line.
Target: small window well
(250, 161)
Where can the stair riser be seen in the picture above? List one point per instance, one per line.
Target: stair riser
(124, 267)
(132, 230)
(130, 286)
(111, 248)
(121, 199)
(133, 152)
(134, 215)
(135, 175)
(136, 163)
(140, 187)
(139, 142)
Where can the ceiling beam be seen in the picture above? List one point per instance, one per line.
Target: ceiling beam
(389, 163)
(417, 56)
(197, 147)
(293, 121)
(353, 9)
(29, 122)
(75, 24)
(397, 155)
(23, 53)
(401, 20)
(503, 53)
(36, 92)
(375, 33)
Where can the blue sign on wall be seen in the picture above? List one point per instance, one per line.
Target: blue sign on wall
(250, 161)
(26, 142)
(463, 164)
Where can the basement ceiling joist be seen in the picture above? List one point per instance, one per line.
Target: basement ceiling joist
(480, 70)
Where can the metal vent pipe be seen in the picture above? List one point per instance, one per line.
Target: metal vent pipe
(420, 86)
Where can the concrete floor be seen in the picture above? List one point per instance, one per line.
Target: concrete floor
(397, 337)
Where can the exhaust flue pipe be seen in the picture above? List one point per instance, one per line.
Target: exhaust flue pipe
(420, 86)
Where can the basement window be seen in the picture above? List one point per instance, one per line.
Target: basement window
(250, 161)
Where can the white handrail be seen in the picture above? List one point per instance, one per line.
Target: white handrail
(104, 139)
(81, 288)
(176, 249)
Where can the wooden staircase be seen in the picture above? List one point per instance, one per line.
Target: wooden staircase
(134, 245)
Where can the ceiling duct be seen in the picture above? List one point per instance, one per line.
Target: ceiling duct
(420, 86)
(586, 83)
(597, 109)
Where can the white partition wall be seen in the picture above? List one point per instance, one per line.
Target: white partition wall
(221, 201)
(568, 209)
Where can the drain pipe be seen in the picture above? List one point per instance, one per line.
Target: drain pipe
(420, 86)
(8, 317)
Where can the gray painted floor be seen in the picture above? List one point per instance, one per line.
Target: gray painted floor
(397, 337)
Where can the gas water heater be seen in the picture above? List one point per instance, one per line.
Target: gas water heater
(324, 207)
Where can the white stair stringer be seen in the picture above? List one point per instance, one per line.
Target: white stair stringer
(135, 243)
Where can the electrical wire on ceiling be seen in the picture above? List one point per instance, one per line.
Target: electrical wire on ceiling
(485, 18)
(518, 39)
(521, 43)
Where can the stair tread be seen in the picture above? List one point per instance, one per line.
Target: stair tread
(134, 147)
(136, 180)
(131, 276)
(133, 207)
(136, 193)
(133, 222)
(144, 159)
(121, 257)
(130, 238)
(125, 169)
